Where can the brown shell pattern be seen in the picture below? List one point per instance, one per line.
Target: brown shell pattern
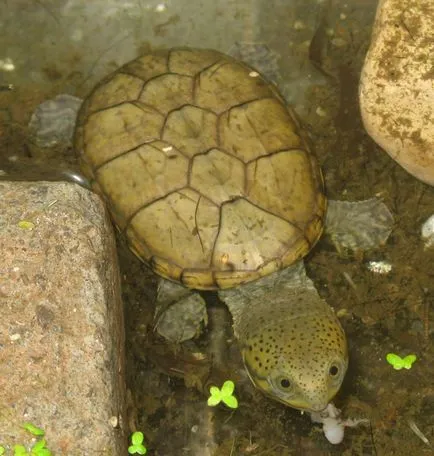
(203, 166)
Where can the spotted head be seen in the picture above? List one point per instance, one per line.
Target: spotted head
(299, 360)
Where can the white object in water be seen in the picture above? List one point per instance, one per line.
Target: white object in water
(427, 232)
(332, 424)
(379, 267)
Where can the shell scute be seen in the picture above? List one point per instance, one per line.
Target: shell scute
(258, 128)
(167, 92)
(192, 129)
(218, 176)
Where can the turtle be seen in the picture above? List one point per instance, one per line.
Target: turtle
(211, 178)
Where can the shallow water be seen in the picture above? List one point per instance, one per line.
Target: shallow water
(315, 53)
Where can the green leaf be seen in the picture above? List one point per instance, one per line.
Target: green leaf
(20, 450)
(394, 360)
(137, 438)
(137, 441)
(213, 401)
(39, 445)
(231, 402)
(409, 360)
(26, 225)
(214, 391)
(216, 396)
(2, 450)
(137, 449)
(399, 363)
(34, 430)
(41, 452)
(227, 388)
(225, 395)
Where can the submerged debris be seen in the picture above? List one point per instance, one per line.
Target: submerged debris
(418, 432)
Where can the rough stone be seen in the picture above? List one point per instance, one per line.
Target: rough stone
(61, 330)
(397, 84)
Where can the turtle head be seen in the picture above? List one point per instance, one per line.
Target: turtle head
(300, 362)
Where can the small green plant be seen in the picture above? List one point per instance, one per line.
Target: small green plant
(399, 363)
(137, 446)
(225, 394)
(38, 449)
(26, 225)
(34, 430)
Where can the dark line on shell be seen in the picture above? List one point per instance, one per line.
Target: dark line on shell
(278, 151)
(264, 210)
(196, 225)
(116, 105)
(143, 206)
(161, 75)
(196, 77)
(216, 237)
(242, 104)
(134, 149)
(193, 106)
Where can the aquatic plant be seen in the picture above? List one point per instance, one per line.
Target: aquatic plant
(137, 446)
(34, 430)
(225, 395)
(38, 449)
(399, 363)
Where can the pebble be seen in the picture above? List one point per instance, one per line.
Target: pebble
(427, 232)
(339, 42)
(321, 112)
(379, 267)
(299, 25)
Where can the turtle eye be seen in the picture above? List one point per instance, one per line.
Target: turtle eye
(334, 370)
(285, 383)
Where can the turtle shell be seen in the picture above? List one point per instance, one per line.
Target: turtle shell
(203, 167)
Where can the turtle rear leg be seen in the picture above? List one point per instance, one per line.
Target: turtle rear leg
(180, 313)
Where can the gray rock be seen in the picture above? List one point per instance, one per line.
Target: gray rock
(61, 332)
(53, 121)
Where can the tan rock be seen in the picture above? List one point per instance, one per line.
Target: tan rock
(61, 327)
(397, 84)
